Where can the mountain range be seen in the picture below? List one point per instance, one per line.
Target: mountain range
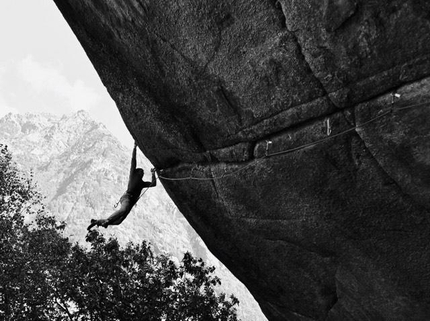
(82, 171)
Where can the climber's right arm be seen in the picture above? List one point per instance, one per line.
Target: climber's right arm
(133, 161)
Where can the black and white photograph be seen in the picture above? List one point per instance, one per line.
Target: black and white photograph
(215, 160)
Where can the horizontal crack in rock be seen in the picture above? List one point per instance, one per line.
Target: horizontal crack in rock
(244, 153)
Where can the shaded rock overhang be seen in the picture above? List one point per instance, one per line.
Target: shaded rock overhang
(313, 118)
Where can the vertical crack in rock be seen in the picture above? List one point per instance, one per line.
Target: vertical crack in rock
(214, 53)
(335, 298)
(280, 8)
(377, 162)
(164, 40)
(218, 192)
(214, 185)
(338, 12)
(299, 46)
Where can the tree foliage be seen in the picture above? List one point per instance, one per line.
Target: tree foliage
(45, 277)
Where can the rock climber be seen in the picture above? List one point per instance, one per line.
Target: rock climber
(130, 197)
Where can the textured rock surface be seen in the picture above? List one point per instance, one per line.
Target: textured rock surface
(338, 230)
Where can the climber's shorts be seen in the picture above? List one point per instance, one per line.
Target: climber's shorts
(127, 200)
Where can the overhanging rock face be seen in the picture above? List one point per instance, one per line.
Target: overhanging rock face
(313, 118)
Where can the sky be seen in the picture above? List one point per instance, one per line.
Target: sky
(43, 67)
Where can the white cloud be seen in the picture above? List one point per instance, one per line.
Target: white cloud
(45, 79)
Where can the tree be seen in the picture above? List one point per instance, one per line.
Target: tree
(107, 282)
(29, 250)
(45, 277)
